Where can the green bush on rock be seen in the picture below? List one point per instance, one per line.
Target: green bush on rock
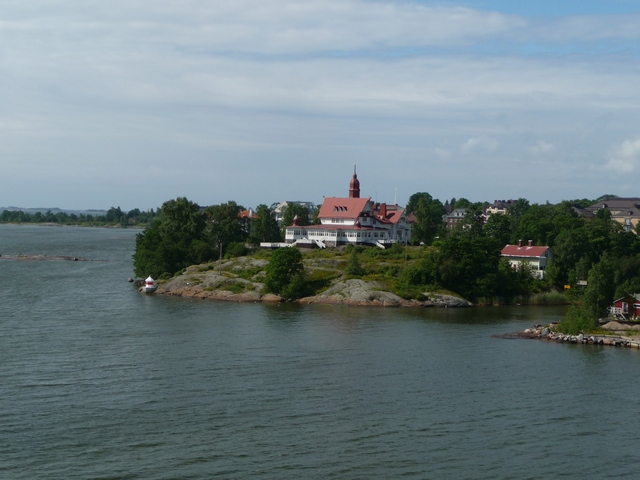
(285, 273)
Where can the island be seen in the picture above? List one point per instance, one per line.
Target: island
(242, 279)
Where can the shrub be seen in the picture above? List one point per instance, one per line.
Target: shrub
(353, 266)
(236, 249)
(579, 319)
(285, 264)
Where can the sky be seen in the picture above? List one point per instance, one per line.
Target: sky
(133, 103)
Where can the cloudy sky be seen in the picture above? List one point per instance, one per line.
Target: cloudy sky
(132, 103)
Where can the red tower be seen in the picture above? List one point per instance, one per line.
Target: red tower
(354, 186)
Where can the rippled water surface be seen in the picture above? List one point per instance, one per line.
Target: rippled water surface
(97, 381)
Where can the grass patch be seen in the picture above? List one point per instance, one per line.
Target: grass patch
(234, 288)
(410, 292)
(206, 268)
(249, 273)
(318, 280)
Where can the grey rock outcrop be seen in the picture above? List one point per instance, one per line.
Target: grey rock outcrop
(241, 280)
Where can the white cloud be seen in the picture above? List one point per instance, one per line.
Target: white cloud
(625, 157)
(442, 153)
(480, 143)
(271, 27)
(243, 99)
(543, 148)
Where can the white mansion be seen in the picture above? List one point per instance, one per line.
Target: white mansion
(353, 220)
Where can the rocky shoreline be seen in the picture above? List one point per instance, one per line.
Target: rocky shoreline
(540, 332)
(353, 292)
(241, 280)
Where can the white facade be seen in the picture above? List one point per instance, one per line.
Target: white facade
(368, 226)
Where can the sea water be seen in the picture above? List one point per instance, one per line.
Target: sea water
(98, 381)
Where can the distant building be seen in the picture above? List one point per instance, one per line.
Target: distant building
(498, 206)
(626, 307)
(353, 220)
(455, 217)
(537, 257)
(623, 210)
(279, 208)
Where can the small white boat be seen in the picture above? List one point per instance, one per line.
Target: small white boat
(149, 285)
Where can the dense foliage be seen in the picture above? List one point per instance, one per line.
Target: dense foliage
(225, 226)
(182, 235)
(265, 227)
(285, 273)
(467, 260)
(295, 210)
(174, 241)
(427, 213)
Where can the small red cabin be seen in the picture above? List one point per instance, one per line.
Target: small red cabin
(628, 306)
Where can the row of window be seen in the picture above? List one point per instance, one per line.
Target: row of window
(324, 233)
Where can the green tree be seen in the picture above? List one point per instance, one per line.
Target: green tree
(285, 270)
(519, 207)
(570, 246)
(174, 241)
(353, 265)
(264, 227)
(428, 214)
(224, 225)
(600, 289)
(291, 211)
(461, 203)
(113, 215)
(498, 226)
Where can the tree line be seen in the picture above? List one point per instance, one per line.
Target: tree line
(113, 216)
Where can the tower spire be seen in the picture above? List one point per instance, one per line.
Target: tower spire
(354, 186)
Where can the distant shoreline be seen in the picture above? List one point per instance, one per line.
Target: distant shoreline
(53, 224)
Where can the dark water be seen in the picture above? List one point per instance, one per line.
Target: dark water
(97, 381)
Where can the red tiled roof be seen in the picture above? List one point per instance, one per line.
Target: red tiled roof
(523, 251)
(393, 216)
(334, 207)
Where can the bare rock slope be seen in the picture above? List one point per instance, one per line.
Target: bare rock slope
(241, 280)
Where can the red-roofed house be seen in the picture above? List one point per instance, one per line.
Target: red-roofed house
(537, 257)
(353, 220)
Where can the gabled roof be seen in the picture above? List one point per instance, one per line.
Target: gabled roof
(628, 297)
(392, 216)
(625, 206)
(525, 251)
(334, 207)
(457, 213)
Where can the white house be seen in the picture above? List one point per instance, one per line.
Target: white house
(279, 208)
(537, 257)
(353, 220)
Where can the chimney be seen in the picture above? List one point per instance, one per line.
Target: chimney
(531, 243)
(383, 210)
(519, 243)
